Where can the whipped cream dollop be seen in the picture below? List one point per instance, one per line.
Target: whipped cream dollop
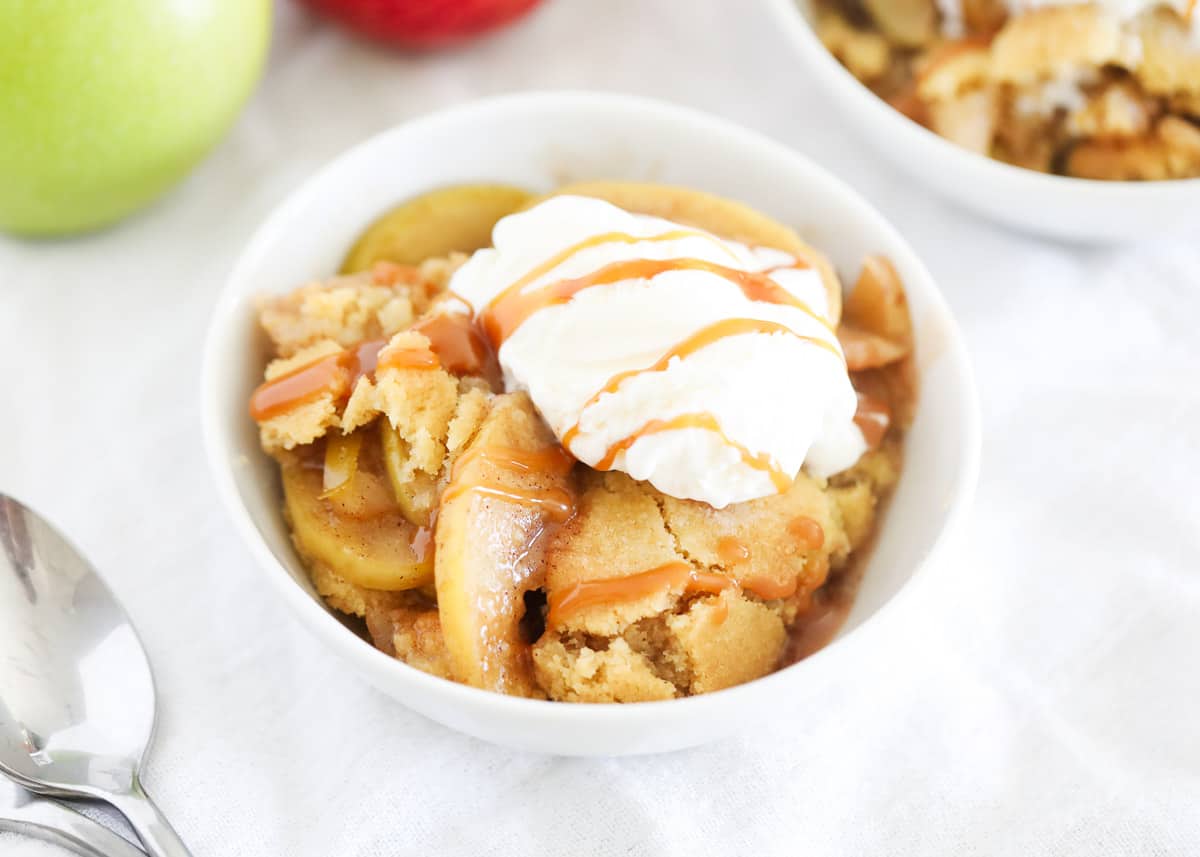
(708, 368)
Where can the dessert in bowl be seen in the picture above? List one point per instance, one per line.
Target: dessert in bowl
(561, 467)
(1076, 119)
(612, 457)
(1095, 90)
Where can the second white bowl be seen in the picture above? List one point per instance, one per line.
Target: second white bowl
(1056, 206)
(540, 141)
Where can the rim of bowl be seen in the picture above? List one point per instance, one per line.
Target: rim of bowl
(314, 615)
(797, 25)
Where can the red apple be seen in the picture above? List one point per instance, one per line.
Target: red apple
(422, 23)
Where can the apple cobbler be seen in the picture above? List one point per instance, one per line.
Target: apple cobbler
(627, 449)
(1097, 90)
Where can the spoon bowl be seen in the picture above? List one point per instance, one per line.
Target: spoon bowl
(76, 691)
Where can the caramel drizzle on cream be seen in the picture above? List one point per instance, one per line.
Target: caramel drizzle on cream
(556, 502)
(513, 306)
(664, 578)
(511, 298)
(706, 421)
(701, 339)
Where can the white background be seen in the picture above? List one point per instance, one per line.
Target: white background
(1041, 696)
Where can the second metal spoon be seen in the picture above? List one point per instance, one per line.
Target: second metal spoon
(76, 692)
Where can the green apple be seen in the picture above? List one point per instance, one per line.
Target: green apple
(104, 104)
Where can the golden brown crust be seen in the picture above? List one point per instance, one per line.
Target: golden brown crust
(617, 531)
(626, 648)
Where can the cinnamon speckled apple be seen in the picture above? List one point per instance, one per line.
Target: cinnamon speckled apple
(422, 23)
(105, 104)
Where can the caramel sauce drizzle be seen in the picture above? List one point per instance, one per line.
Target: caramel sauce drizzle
(513, 306)
(335, 374)
(663, 578)
(556, 502)
(1190, 11)
(873, 419)
(597, 241)
(700, 339)
(299, 387)
(757, 460)
(768, 589)
(458, 344)
(553, 460)
(455, 345)
(408, 357)
(808, 531)
(732, 550)
(385, 273)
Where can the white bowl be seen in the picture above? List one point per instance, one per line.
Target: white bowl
(1056, 206)
(539, 141)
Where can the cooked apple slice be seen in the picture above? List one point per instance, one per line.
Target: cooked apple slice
(488, 552)
(909, 23)
(370, 550)
(877, 304)
(415, 491)
(435, 224)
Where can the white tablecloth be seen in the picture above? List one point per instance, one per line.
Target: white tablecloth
(1042, 696)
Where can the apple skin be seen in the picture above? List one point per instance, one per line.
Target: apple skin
(423, 24)
(105, 104)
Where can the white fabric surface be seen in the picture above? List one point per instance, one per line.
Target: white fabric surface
(1039, 697)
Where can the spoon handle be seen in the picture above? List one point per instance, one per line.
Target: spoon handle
(52, 822)
(151, 826)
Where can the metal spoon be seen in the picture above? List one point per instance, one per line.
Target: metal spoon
(76, 693)
(41, 818)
